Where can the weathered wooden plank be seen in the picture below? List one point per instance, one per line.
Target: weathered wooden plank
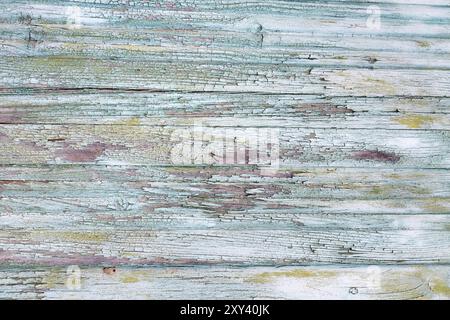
(365, 282)
(88, 218)
(68, 73)
(224, 47)
(96, 98)
(97, 219)
(351, 57)
(335, 177)
(160, 193)
(319, 26)
(183, 212)
(224, 110)
(108, 144)
(259, 187)
(136, 103)
(78, 73)
(336, 16)
(174, 73)
(217, 246)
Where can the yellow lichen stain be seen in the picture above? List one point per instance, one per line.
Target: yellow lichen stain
(414, 121)
(440, 287)
(437, 280)
(75, 46)
(436, 205)
(400, 284)
(135, 121)
(139, 48)
(130, 254)
(75, 236)
(53, 279)
(381, 85)
(129, 279)
(134, 276)
(389, 190)
(126, 47)
(58, 61)
(85, 236)
(267, 277)
(393, 176)
(70, 64)
(418, 282)
(423, 44)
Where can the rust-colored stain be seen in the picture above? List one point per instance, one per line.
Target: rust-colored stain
(109, 270)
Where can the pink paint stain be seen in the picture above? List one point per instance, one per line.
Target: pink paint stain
(88, 154)
(10, 116)
(376, 155)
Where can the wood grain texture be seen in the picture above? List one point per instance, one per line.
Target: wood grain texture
(97, 96)
(337, 282)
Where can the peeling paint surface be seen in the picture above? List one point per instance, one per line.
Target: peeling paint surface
(224, 149)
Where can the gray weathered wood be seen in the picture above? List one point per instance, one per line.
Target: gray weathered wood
(363, 282)
(96, 96)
